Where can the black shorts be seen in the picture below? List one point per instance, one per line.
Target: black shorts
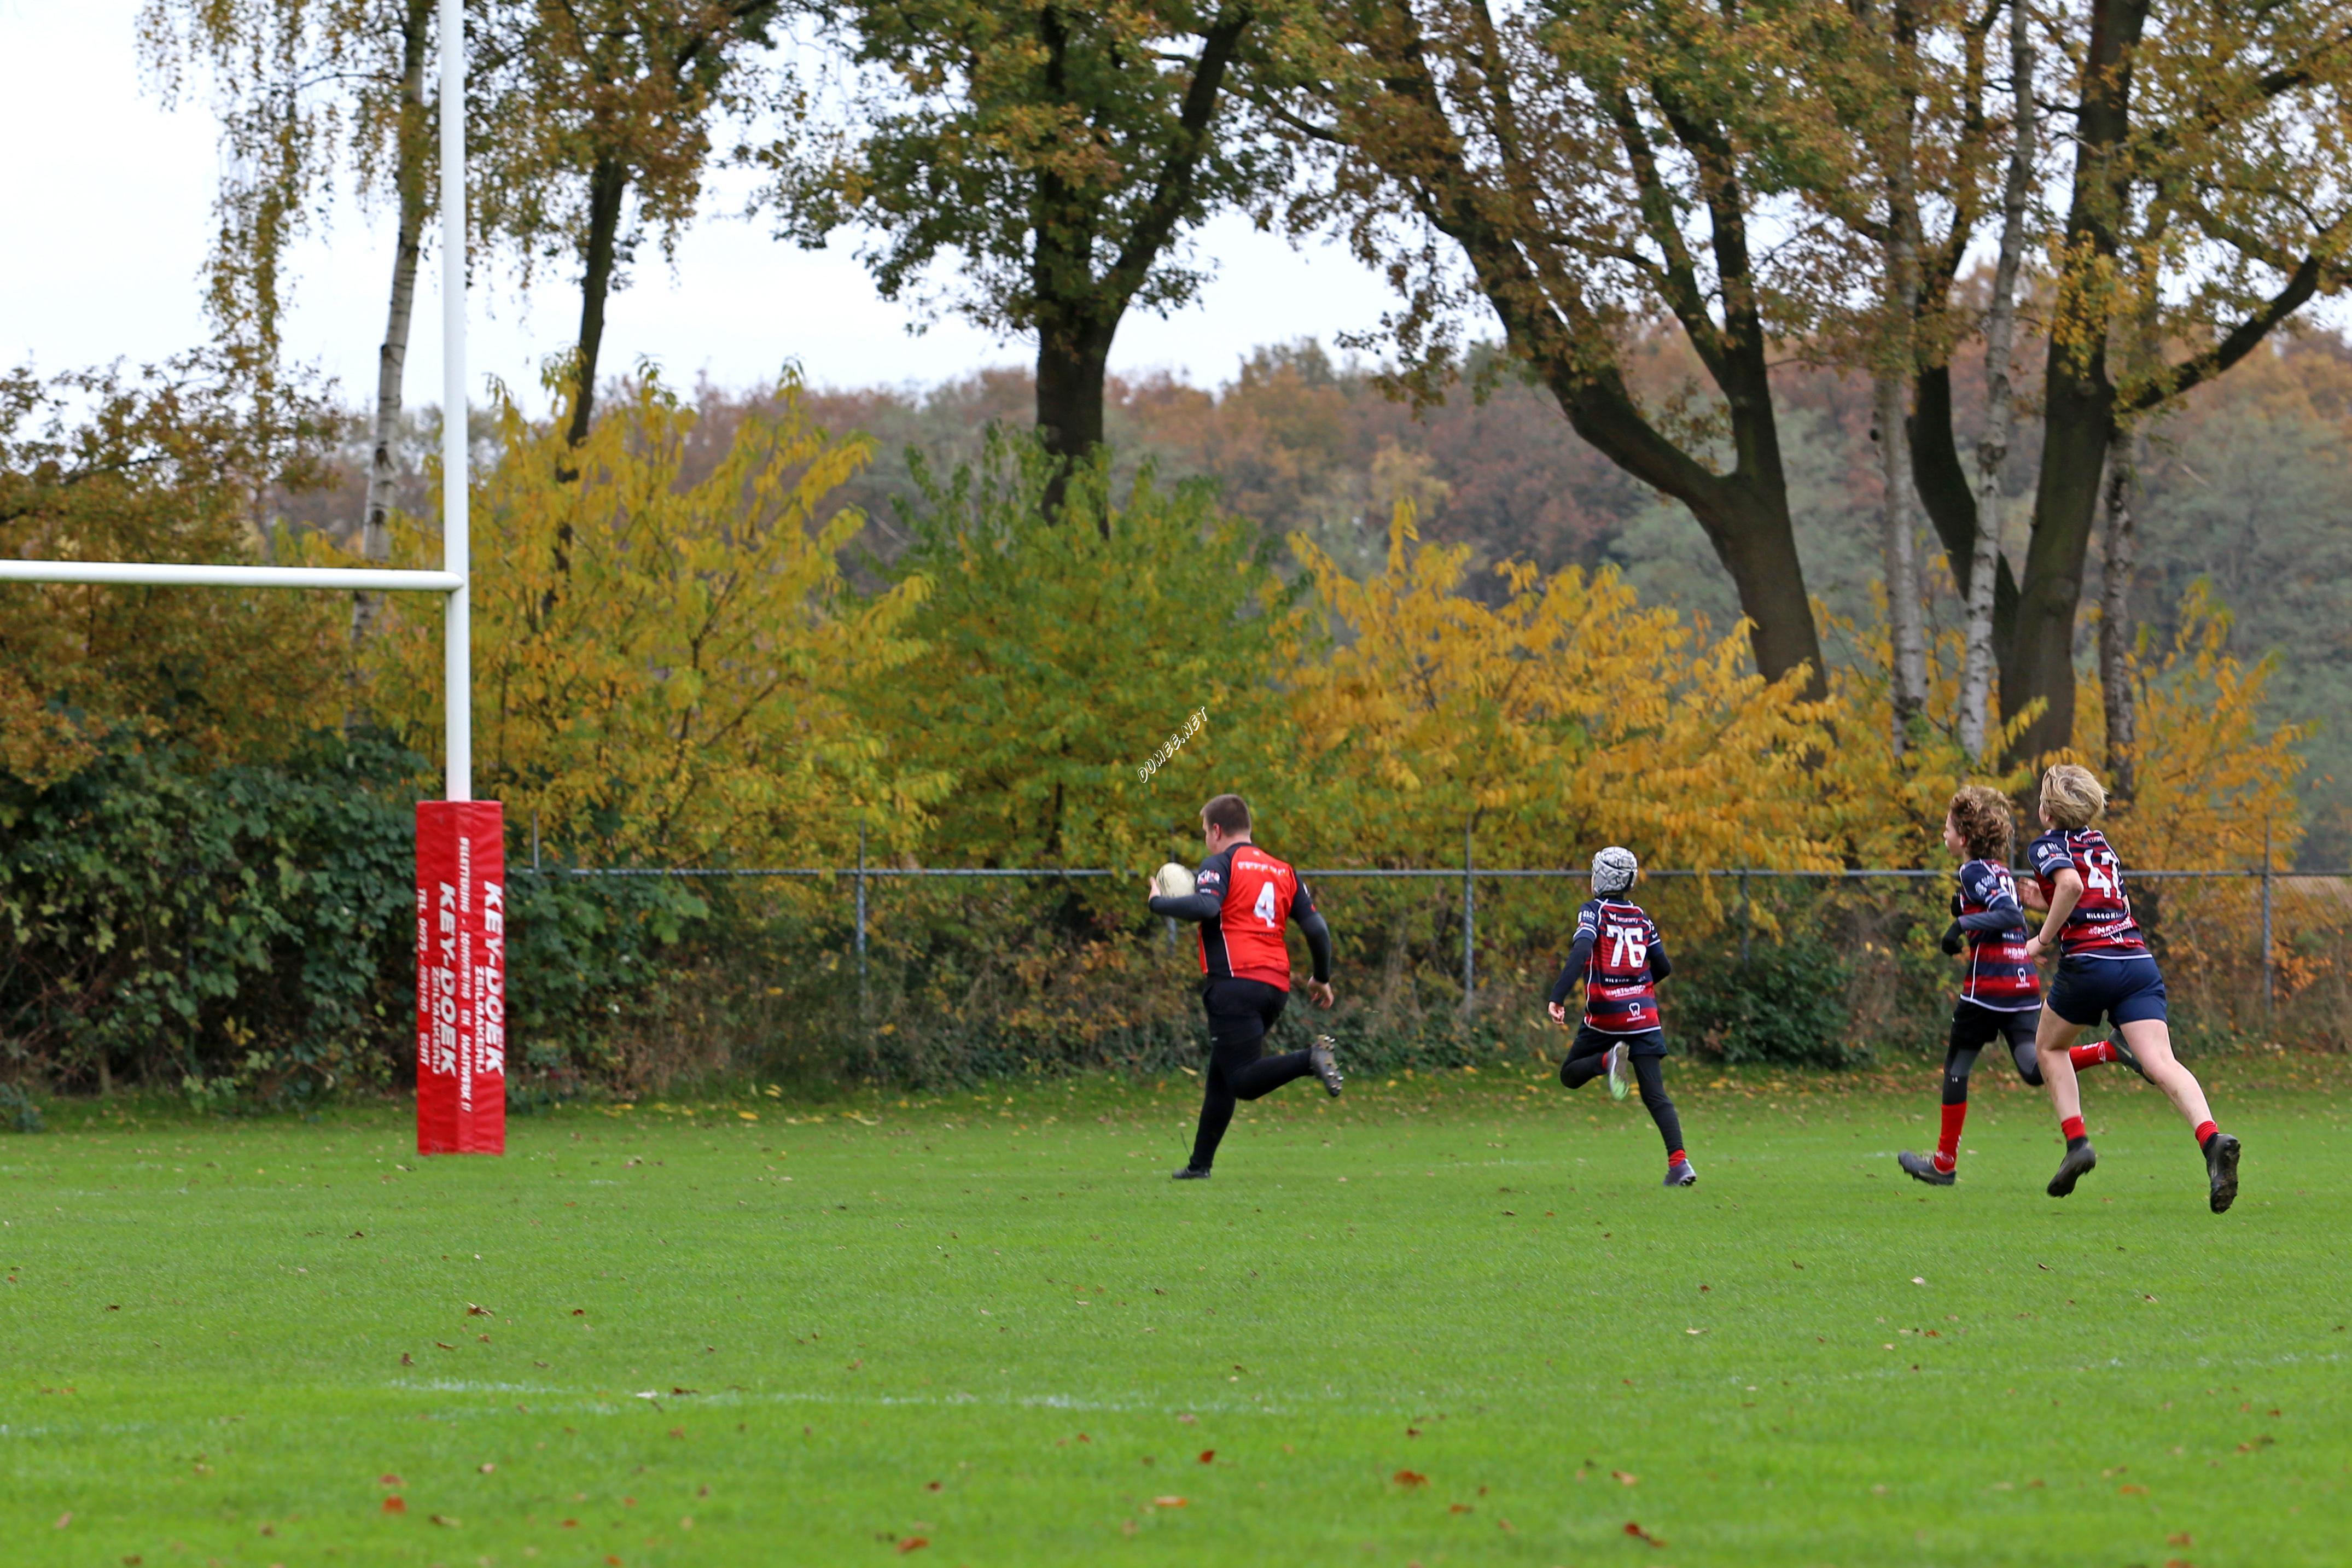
(2127, 991)
(1241, 1011)
(1976, 1026)
(1590, 1042)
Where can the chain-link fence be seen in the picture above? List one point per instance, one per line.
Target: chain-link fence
(2248, 954)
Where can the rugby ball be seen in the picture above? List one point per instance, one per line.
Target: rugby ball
(1172, 880)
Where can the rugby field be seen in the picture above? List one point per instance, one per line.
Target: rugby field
(1444, 1321)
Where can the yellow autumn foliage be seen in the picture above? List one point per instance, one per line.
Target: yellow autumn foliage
(1559, 718)
(658, 666)
(2215, 778)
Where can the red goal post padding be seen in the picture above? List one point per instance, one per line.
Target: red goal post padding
(461, 978)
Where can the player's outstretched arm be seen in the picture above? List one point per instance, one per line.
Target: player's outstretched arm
(1191, 906)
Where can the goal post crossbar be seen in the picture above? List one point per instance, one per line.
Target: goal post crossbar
(357, 579)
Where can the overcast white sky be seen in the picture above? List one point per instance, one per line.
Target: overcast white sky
(107, 195)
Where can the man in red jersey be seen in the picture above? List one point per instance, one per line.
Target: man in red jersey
(1241, 897)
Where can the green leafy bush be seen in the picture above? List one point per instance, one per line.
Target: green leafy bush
(234, 930)
(1784, 1004)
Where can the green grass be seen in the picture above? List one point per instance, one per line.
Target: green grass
(988, 1323)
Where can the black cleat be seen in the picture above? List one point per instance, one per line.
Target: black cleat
(1190, 1173)
(1321, 1057)
(1924, 1169)
(2222, 1170)
(2072, 1169)
(2124, 1054)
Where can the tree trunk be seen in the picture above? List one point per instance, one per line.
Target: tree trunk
(2115, 639)
(1744, 514)
(1981, 583)
(1940, 479)
(1899, 550)
(391, 358)
(608, 184)
(1071, 362)
(2078, 398)
(1898, 543)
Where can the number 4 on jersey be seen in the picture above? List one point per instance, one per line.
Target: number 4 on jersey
(1263, 908)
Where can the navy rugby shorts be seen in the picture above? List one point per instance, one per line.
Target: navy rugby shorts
(2127, 991)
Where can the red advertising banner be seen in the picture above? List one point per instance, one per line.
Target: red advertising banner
(461, 978)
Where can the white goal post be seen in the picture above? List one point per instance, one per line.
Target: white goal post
(452, 578)
(461, 905)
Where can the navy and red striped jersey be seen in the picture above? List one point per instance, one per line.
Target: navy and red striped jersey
(1255, 895)
(2101, 925)
(1620, 996)
(2000, 976)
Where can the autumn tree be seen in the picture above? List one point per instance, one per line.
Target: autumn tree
(690, 700)
(1584, 171)
(608, 113)
(1059, 156)
(164, 465)
(2201, 207)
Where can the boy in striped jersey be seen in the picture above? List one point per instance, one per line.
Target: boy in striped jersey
(1620, 958)
(2105, 970)
(2001, 998)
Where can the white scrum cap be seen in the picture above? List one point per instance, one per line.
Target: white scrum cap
(1613, 871)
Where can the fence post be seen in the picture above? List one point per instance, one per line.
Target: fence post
(861, 919)
(2270, 1001)
(534, 841)
(1743, 917)
(1469, 925)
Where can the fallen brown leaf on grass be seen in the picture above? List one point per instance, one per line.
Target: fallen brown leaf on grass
(407, 1359)
(2180, 1540)
(476, 1310)
(913, 1544)
(1625, 1477)
(447, 1521)
(444, 1345)
(387, 1480)
(1168, 1503)
(1208, 1456)
(395, 1505)
(64, 1520)
(1410, 1479)
(1458, 1508)
(1638, 1533)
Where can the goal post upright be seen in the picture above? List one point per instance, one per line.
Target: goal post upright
(456, 448)
(461, 905)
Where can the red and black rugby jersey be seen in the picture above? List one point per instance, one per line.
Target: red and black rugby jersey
(1620, 996)
(2000, 975)
(1255, 895)
(2101, 924)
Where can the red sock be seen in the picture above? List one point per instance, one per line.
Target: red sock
(2091, 1055)
(1675, 1158)
(2071, 1128)
(1948, 1147)
(2205, 1130)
